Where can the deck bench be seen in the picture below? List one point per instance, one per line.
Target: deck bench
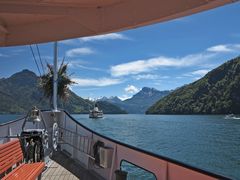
(11, 159)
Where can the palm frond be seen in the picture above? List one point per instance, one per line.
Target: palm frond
(64, 81)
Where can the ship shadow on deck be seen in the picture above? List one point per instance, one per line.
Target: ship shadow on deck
(62, 167)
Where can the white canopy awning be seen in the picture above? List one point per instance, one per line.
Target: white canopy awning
(36, 21)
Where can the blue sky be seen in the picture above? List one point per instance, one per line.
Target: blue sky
(164, 56)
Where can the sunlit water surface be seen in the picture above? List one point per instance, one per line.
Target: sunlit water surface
(206, 141)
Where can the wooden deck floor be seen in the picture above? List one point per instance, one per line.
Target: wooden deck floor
(56, 171)
(61, 167)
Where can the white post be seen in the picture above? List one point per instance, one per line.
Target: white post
(55, 78)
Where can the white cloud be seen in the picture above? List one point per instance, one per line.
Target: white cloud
(79, 51)
(76, 63)
(131, 89)
(69, 42)
(83, 65)
(224, 48)
(146, 76)
(12, 52)
(151, 64)
(3, 55)
(179, 77)
(197, 78)
(164, 77)
(111, 36)
(219, 48)
(90, 68)
(195, 74)
(124, 97)
(81, 82)
(185, 19)
(17, 51)
(147, 65)
(150, 77)
(201, 72)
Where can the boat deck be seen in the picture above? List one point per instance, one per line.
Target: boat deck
(61, 167)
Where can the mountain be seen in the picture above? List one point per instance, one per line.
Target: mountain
(140, 102)
(109, 108)
(20, 92)
(145, 98)
(113, 100)
(218, 92)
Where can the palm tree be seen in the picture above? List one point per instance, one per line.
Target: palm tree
(64, 81)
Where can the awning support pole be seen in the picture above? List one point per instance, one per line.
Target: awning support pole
(55, 78)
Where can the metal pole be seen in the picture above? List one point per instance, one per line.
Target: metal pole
(55, 78)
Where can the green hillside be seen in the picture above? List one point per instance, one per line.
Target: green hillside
(109, 108)
(20, 92)
(218, 92)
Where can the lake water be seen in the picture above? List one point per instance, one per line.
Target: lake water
(6, 118)
(208, 142)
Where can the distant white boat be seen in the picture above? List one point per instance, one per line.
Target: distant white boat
(96, 113)
(236, 117)
(231, 116)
